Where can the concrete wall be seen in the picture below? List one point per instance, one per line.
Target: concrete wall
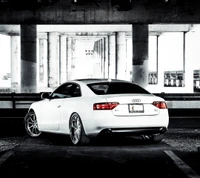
(100, 12)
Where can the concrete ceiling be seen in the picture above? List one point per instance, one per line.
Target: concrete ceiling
(96, 29)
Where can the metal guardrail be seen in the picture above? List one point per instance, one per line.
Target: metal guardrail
(18, 99)
(19, 103)
(179, 96)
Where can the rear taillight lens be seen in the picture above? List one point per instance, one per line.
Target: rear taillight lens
(105, 106)
(160, 104)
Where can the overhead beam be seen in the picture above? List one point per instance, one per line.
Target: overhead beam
(97, 30)
(102, 12)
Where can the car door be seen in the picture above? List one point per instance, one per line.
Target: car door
(51, 114)
(69, 106)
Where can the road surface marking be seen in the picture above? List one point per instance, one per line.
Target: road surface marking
(182, 165)
(5, 156)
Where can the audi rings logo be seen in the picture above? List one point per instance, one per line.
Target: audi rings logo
(136, 100)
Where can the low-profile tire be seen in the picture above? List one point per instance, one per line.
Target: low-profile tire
(156, 138)
(77, 132)
(31, 125)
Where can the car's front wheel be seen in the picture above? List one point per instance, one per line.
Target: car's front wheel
(77, 132)
(31, 125)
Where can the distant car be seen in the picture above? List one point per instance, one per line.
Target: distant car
(86, 108)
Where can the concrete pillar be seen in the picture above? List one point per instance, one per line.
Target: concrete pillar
(140, 36)
(42, 60)
(73, 57)
(53, 70)
(106, 57)
(96, 60)
(187, 67)
(102, 57)
(98, 64)
(69, 58)
(129, 58)
(161, 79)
(99, 49)
(112, 56)
(15, 64)
(121, 55)
(63, 58)
(28, 58)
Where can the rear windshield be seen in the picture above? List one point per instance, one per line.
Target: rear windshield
(116, 88)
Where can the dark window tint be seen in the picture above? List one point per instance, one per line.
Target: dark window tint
(67, 90)
(77, 91)
(116, 88)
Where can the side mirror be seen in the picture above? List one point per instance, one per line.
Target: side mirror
(45, 95)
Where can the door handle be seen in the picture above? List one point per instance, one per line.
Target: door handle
(58, 106)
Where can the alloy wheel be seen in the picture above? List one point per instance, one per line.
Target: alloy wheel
(75, 128)
(31, 125)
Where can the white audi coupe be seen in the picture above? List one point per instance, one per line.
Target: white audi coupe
(86, 108)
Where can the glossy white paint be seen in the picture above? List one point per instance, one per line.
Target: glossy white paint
(53, 114)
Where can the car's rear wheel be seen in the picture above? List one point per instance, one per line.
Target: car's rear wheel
(31, 125)
(77, 132)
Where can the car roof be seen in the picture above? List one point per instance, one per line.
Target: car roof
(97, 80)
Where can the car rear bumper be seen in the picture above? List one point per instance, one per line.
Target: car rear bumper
(131, 131)
(134, 131)
(127, 125)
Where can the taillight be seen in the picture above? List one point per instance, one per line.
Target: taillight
(160, 104)
(105, 106)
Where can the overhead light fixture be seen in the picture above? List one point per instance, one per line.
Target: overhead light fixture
(48, 1)
(84, 2)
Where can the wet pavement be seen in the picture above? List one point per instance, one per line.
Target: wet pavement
(176, 156)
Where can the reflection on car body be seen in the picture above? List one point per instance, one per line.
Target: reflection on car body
(86, 108)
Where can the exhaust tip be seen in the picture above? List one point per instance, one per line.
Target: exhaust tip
(106, 132)
(163, 129)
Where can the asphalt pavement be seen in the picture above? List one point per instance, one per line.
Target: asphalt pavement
(176, 156)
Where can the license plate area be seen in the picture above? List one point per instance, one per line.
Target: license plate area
(136, 108)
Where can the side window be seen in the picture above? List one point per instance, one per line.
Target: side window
(67, 91)
(76, 91)
(64, 91)
(100, 89)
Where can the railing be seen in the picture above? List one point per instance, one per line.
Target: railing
(186, 105)
(14, 106)
(18, 100)
(23, 100)
(179, 96)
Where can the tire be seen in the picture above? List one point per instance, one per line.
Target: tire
(31, 125)
(77, 132)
